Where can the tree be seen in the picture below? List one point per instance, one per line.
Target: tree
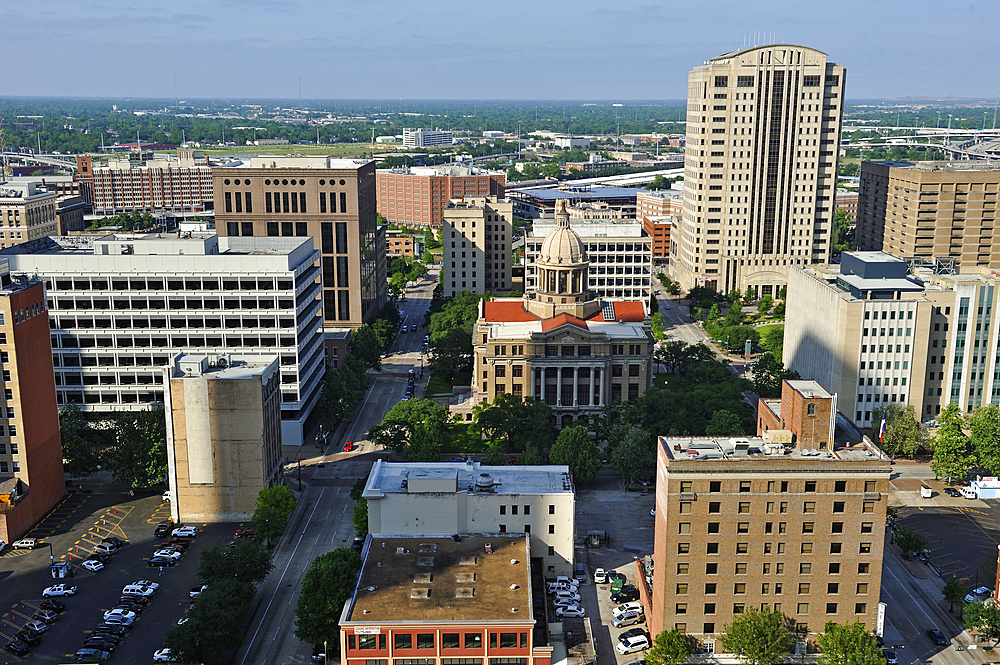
(950, 445)
(772, 338)
(451, 351)
(953, 592)
(984, 434)
(385, 332)
(657, 326)
(632, 453)
(759, 637)
(248, 561)
(360, 517)
(903, 435)
(515, 423)
(658, 182)
(274, 506)
(765, 304)
(327, 585)
(398, 427)
(79, 442)
(575, 448)
(725, 423)
(768, 374)
(849, 644)
(364, 344)
(342, 389)
(909, 541)
(138, 456)
(749, 295)
(215, 624)
(670, 647)
(984, 617)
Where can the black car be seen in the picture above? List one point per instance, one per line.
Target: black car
(103, 558)
(17, 647)
(99, 642)
(110, 629)
(110, 639)
(117, 542)
(613, 575)
(163, 529)
(937, 637)
(627, 594)
(633, 632)
(132, 598)
(28, 637)
(161, 561)
(52, 604)
(890, 657)
(130, 606)
(951, 491)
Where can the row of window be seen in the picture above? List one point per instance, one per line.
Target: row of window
(739, 608)
(768, 548)
(169, 303)
(744, 508)
(402, 641)
(833, 567)
(684, 528)
(747, 486)
(178, 284)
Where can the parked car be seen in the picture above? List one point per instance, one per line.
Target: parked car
(628, 619)
(164, 656)
(163, 528)
(632, 644)
(103, 558)
(92, 566)
(564, 602)
(571, 611)
(626, 607)
(157, 561)
(105, 548)
(951, 491)
(937, 637)
(184, 532)
(101, 643)
(119, 612)
(130, 606)
(129, 598)
(25, 544)
(977, 594)
(167, 553)
(59, 590)
(54, 605)
(90, 655)
(140, 588)
(567, 594)
(110, 629)
(196, 591)
(177, 543)
(17, 647)
(28, 637)
(48, 616)
(36, 626)
(348, 447)
(116, 541)
(146, 583)
(890, 657)
(119, 621)
(625, 595)
(600, 576)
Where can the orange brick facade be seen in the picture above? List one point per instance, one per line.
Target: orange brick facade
(419, 200)
(808, 414)
(658, 228)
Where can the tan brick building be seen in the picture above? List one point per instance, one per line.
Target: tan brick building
(741, 523)
(223, 434)
(26, 213)
(476, 237)
(806, 411)
(928, 210)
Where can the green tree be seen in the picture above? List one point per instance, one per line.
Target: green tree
(138, 455)
(765, 304)
(670, 647)
(398, 427)
(984, 434)
(327, 585)
(909, 541)
(343, 388)
(248, 561)
(360, 517)
(657, 326)
(759, 637)
(903, 435)
(849, 644)
(215, 624)
(950, 445)
(575, 448)
(658, 182)
(79, 442)
(274, 506)
(515, 423)
(632, 453)
(451, 352)
(953, 593)
(749, 295)
(364, 344)
(385, 332)
(768, 374)
(426, 443)
(984, 617)
(772, 338)
(725, 423)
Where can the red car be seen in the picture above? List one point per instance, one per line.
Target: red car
(348, 447)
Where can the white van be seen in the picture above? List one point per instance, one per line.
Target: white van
(632, 644)
(968, 492)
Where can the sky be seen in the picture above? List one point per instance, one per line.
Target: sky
(461, 49)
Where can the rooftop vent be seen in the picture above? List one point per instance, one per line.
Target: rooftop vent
(468, 560)
(401, 550)
(484, 483)
(489, 548)
(464, 592)
(425, 561)
(428, 547)
(420, 593)
(422, 578)
(514, 587)
(513, 562)
(465, 578)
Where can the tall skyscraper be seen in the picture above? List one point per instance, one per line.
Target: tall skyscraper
(760, 173)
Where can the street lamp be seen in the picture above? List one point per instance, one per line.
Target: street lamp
(325, 657)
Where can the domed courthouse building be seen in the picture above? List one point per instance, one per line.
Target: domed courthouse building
(561, 343)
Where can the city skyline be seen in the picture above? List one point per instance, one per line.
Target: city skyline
(288, 49)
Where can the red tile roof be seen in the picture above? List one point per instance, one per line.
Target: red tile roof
(631, 311)
(564, 319)
(506, 312)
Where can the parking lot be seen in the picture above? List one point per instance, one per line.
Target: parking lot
(82, 521)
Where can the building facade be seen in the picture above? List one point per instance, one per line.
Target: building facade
(847, 200)
(476, 259)
(742, 523)
(760, 169)
(561, 343)
(425, 138)
(418, 196)
(469, 498)
(540, 202)
(658, 229)
(26, 213)
(397, 244)
(176, 186)
(806, 411)
(223, 434)
(930, 210)
(658, 203)
(122, 306)
(31, 470)
(470, 602)
(329, 200)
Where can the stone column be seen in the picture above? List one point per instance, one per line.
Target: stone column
(531, 381)
(576, 384)
(559, 388)
(600, 388)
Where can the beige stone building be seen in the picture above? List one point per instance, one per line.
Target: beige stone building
(330, 200)
(760, 168)
(476, 235)
(468, 498)
(931, 210)
(741, 523)
(26, 213)
(561, 343)
(889, 334)
(223, 434)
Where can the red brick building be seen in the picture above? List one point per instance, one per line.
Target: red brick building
(433, 600)
(806, 410)
(658, 228)
(418, 196)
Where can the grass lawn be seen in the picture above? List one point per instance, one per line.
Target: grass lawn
(464, 440)
(436, 386)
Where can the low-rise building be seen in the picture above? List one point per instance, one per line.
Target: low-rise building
(26, 213)
(539, 202)
(397, 243)
(223, 434)
(425, 138)
(657, 227)
(469, 498)
(440, 600)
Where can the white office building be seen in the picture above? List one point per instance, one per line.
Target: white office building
(424, 138)
(620, 253)
(467, 498)
(121, 306)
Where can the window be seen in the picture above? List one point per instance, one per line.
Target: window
(552, 528)
(869, 485)
(709, 608)
(508, 640)
(802, 608)
(744, 508)
(835, 548)
(782, 527)
(864, 568)
(744, 486)
(781, 548)
(714, 507)
(740, 588)
(862, 588)
(783, 507)
(838, 506)
(742, 548)
(741, 568)
(685, 508)
(806, 548)
(682, 568)
(865, 548)
(805, 568)
(713, 527)
(840, 486)
(831, 608)
(803, 588)
(473, 640)
(860, 608)
(743, 527)
(712, 548)
(837, 527)
(449, 641)
(552, 509)
(683, 548)
(402, 641)
(832, 587)
(866, 527)
(685, 486)
(425, 640)
(807, 527)
(769, 508)
(680, 608)
(868, 507)
(738, 608)
(683, 527)
(682, 589)
(809, 507)
(503, 510)
(710, 589)
(810, 486)
(711, 569)
(715, 486)
(527, 509)
(834, 568)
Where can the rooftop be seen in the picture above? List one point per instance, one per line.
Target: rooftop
(581, 194)
(452, 477)
(985, 165)
(810, 388)
(220, 366)
(191, 244)
(747, 450)
(511, 310)
(483, 578)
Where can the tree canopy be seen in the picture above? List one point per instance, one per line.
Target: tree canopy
(984, 435)
(903, 434)
(81, 454)
(575, 448)
(758, 637)
(849, 644)
(327, 584)
(514, 423)
(137, 456)
(670, 647)
(950, 445)
(768, 374)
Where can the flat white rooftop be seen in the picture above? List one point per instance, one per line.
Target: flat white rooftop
(408, 478)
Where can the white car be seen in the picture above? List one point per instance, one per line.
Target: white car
(25, 544)
(632, 644)
(571, 611)
(564, 602)
(164, 656)
(978, 593)
(567, 594)
(168, 554)
(138, 589)
(626, 607)
(166, 496)
(184, 532)
(59, 590)
(119, 621)
(405, 329)
(146, 583)
(600, 576)
(119, 613)
(196, 591)
(93, 566)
